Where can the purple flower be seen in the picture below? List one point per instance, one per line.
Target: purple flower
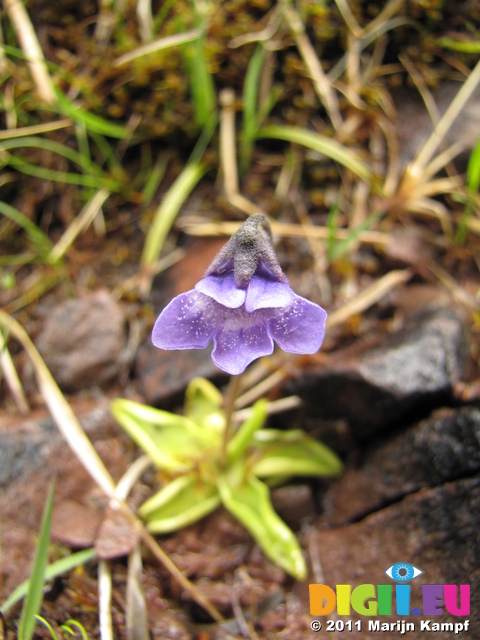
(244, 303)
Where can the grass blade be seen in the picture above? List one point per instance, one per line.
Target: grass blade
(201, 82)
(428, 149)
(473, 185)
(52, 571)
(63, 176)
(154, 179)
(42, 245)
(315, 141)
(35, 142)
(250, 106)
(92, 122)
(34, 598)
(168, 210)
(171, 203)
(462, 46)
(336, 248)
(74, 623)
(48, 625)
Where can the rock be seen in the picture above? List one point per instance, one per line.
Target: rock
(117, 536)
(84, 342)
(434, 529)
(439, 449)
(26, 478)
(75, 524)
(374, 389)
(294, 503)
(21, 449)
(163, 375)
(164, 624)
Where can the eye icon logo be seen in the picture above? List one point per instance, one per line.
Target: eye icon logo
(403, 572)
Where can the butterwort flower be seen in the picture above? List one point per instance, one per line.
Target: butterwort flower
(244, 303)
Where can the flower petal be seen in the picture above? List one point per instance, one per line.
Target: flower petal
(223, 289)
(300, 328)
(242, 338)
(265, 293)
(188, 322)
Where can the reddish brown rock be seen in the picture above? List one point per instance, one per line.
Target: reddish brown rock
(163, 375)
(84, 342)
(75, 524)
(34, 452)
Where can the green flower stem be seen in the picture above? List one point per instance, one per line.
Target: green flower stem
(231, 396)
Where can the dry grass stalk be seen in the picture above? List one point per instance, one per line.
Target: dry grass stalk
(368, 297)
(228, 156)
(458, 103)
(158, 45)
(282, 229)
(276, 406)
(320, 81)
(320, 263)
(8, 371)
(105, 600)
(145, 19)
(31, 48)
(261, 388)
(79, 224)
(35, 129)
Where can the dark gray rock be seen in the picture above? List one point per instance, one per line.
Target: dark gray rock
(439, 449)
(20, 451)
(375, 388)
(84, 342)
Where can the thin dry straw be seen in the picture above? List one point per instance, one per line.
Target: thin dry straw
(428, 149)
(228, 155)
(158, 45)
(31, 48)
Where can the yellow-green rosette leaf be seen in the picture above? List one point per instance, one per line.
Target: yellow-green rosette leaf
(293, 453)
(203, 403)
(243, 437)
(171, 441)
(179, 503)
(249, 502)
